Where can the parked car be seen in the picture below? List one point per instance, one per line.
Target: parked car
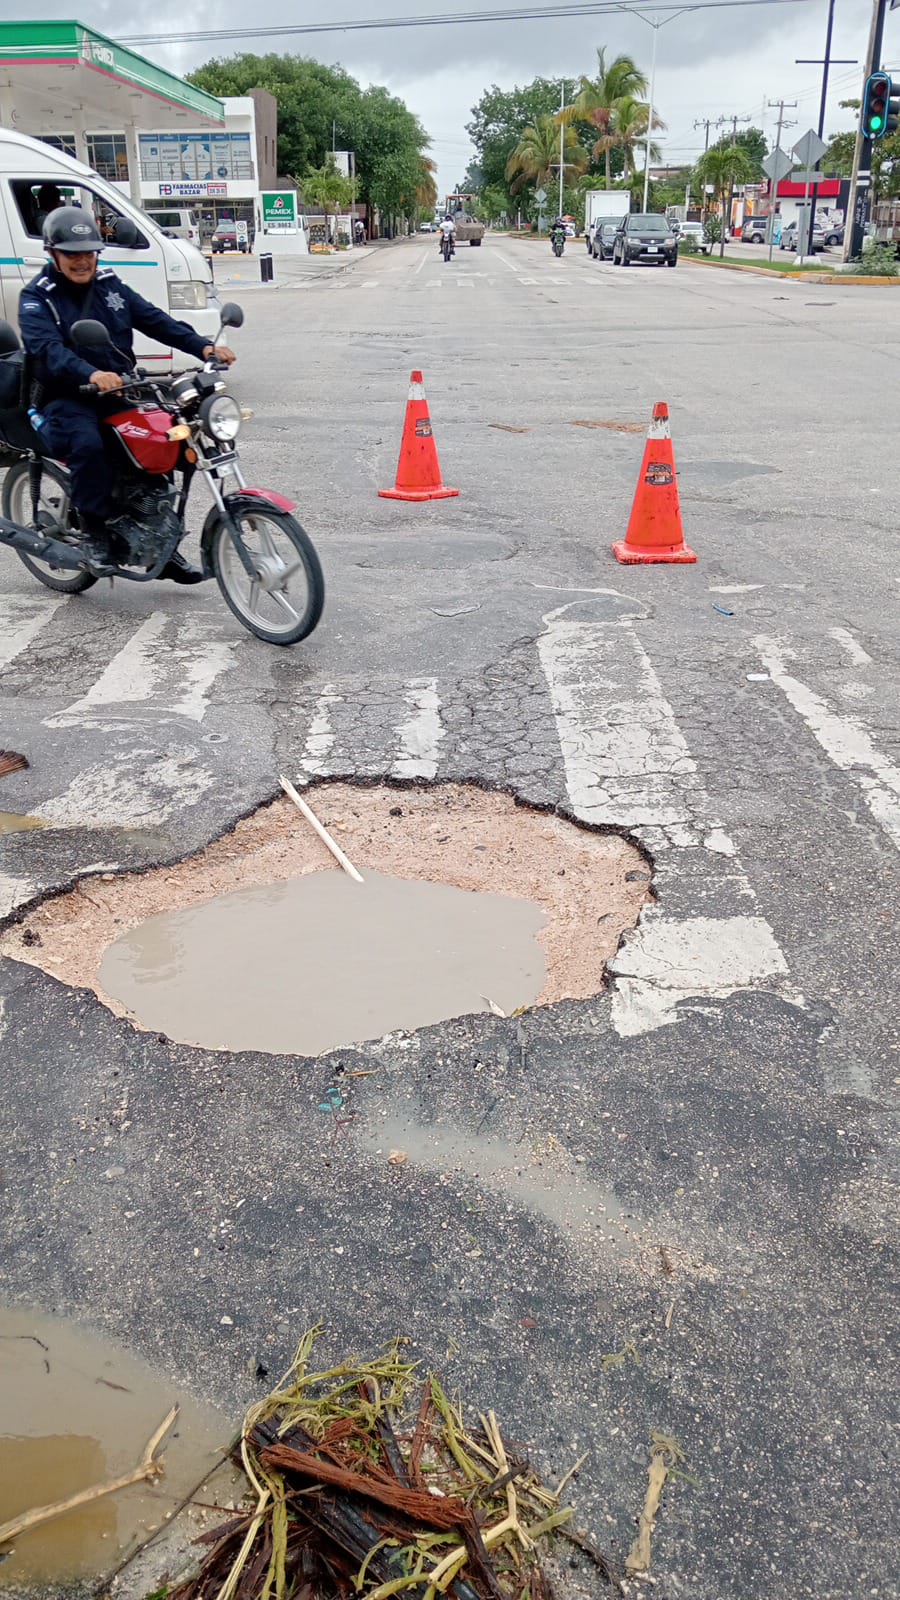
(645, 237)
(789, 237)
(571, 230)
(755, 231)
(176, 223)
(694, 230)
(834, 233)
(226, 238)
(427, 227)
(601, 245)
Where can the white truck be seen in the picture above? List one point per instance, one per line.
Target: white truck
(603, 203)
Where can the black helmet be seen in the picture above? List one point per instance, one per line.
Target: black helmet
(71, 230)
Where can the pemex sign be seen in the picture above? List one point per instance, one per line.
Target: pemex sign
(279, 210)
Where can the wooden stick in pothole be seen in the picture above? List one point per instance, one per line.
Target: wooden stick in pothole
(147, 1469)
(324, 835)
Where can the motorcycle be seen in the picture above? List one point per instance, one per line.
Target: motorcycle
(558, 241)
(447, 246)
(167, 430)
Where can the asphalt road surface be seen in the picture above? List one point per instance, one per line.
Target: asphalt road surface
(734, 1094)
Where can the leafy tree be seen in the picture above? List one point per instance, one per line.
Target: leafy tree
(498, 121)
(535, 158)
(598, 97)
(723, 166)
(314, 102)
(753, 140)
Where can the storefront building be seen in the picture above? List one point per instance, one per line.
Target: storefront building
(153, 135)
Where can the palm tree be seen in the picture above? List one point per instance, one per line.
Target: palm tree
(536, 156)
(596, 101)
(426, 192)
(628, 128)
(723, 166)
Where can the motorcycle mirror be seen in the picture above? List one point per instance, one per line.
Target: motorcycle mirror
(90, 334)
(125, 233)
(232, 315)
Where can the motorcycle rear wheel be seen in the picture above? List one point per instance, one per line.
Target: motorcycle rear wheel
(276, 607)
(53, 519)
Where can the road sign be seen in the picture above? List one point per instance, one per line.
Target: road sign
(806, 175)
(809, 149)
(540, 196)
(777, 165)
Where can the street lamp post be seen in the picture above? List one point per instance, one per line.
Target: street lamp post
(562, 143)
(656, 25)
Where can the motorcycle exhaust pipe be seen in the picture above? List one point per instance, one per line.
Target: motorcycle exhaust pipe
(34, 544)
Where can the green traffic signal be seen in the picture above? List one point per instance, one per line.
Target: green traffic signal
(878, 109)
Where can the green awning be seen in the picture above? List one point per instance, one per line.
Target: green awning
(50, 66)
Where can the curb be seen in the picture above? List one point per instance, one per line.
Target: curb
(850, 280)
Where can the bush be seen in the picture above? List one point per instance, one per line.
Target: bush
(879, 261)
(687, 244)
(712, 229)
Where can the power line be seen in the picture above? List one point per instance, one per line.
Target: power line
(575, 8)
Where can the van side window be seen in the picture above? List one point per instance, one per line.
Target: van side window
(36, 198)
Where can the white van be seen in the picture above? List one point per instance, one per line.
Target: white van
(171, 272)
(175, 223)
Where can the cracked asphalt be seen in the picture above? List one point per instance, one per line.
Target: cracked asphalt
(697, 1170)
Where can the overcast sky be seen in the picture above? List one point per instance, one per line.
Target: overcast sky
(709, 64)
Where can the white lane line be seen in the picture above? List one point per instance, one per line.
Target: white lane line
(512, 265)
(139, 788)
(733, 588)
(129, 677)
(530, 282)
(320, 738)
(201, 660)
(844, 739)
(628, 765)
(21, 619)
(421, 734)
(851, 645)
(189, 661)
(370, 283)
(420, 264)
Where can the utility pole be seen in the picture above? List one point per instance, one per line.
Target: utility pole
(562, 143)
(791, 106)
(656, 27)
(825, 63)
(861, 181)
(704, 122)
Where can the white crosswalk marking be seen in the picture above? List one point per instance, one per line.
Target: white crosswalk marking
(320, 738)
(421, 733)
(21, 619)
(136, 789)
(846, 740)
(169, 665)
(628, 765)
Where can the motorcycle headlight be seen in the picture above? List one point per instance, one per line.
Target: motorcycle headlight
(221, 417)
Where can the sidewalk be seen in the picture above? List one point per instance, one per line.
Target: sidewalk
(243, 272)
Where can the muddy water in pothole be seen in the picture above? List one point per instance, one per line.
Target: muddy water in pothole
(76, 1411)
(319, 962)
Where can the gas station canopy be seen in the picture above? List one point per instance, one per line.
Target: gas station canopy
(55, 75)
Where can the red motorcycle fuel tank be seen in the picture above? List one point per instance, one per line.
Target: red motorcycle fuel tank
(145, 436)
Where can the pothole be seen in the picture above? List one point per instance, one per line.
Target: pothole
(470, 903)
(75, 1413)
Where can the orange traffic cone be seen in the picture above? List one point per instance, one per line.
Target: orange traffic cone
(418, 470)
(654, 527)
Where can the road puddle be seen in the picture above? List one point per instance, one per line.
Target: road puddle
(319, 962)
(75, 1412)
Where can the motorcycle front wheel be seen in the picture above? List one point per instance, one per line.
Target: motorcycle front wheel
(52, 519)
(283, 602)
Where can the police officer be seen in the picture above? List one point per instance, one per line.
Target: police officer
(73, 288)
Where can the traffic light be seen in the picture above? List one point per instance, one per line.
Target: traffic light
(880, 107)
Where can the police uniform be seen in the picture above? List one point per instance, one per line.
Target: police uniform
(48, 309)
